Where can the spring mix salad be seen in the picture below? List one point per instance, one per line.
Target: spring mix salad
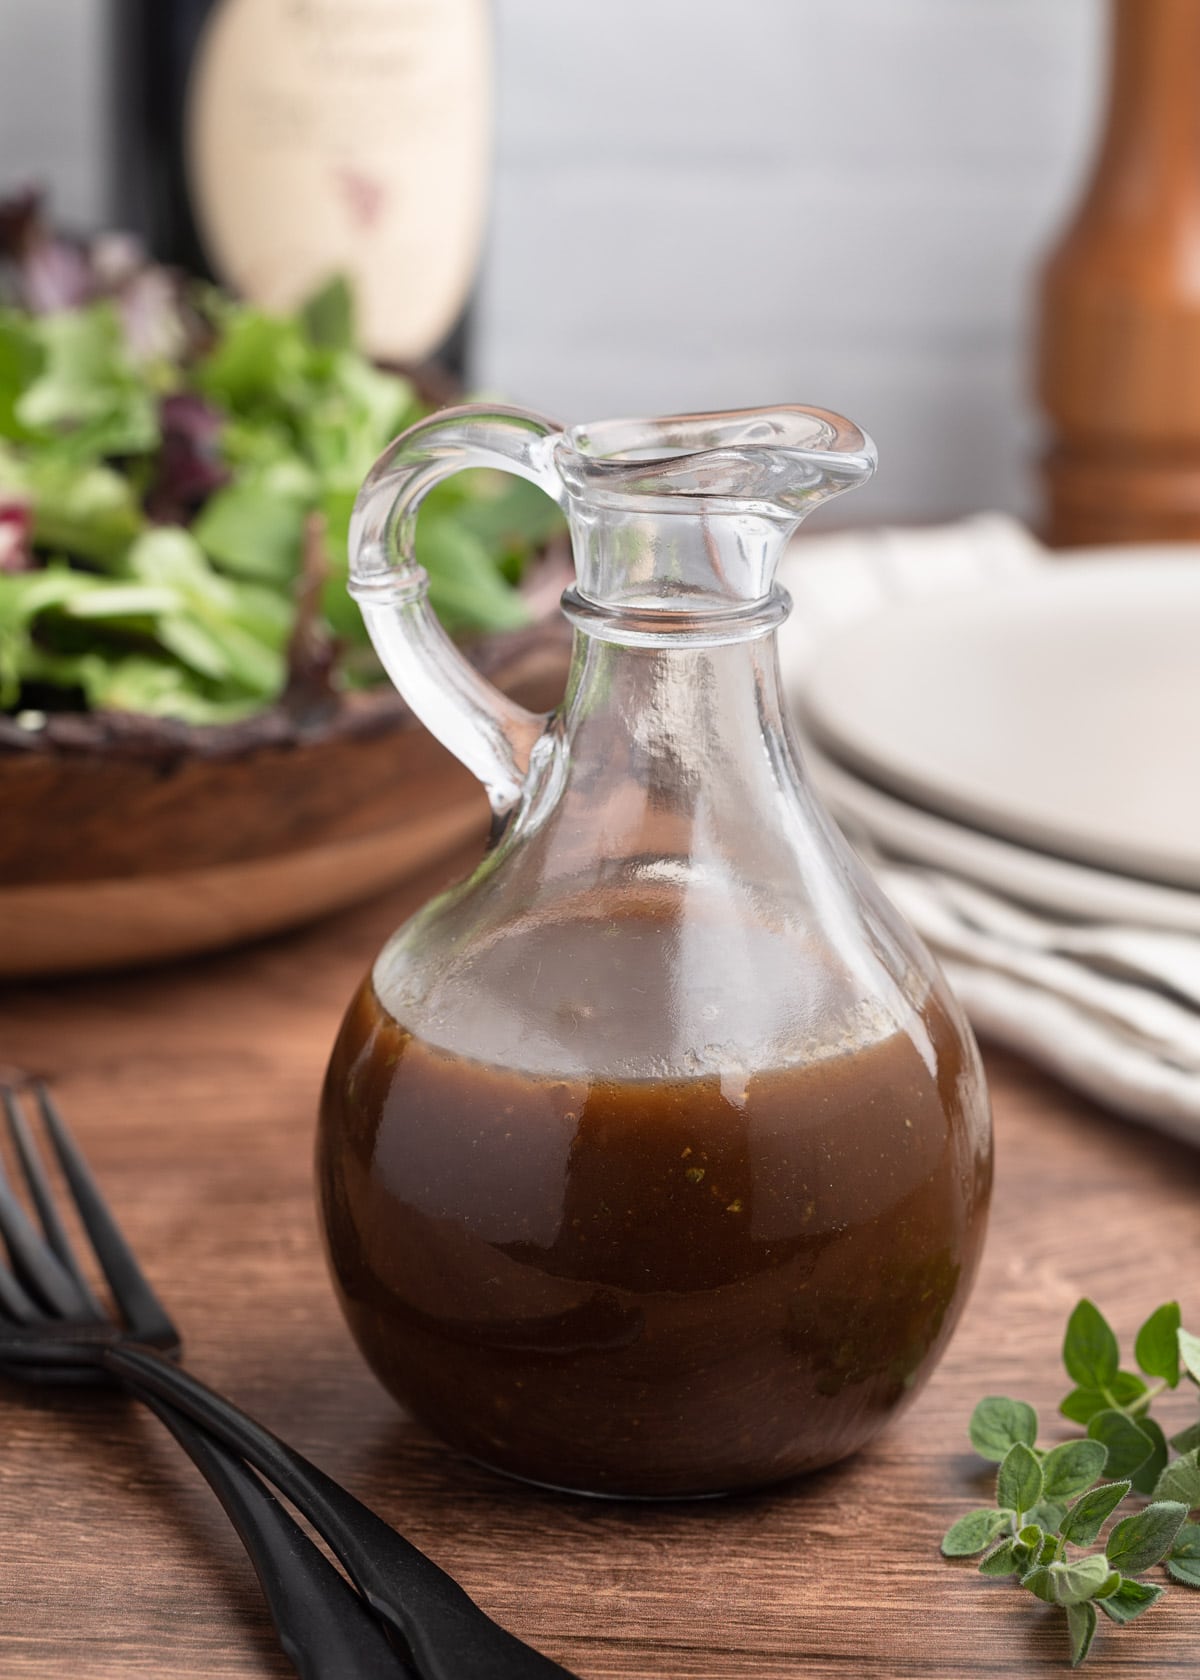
(177, 471)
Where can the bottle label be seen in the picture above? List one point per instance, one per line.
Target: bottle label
(345, 136)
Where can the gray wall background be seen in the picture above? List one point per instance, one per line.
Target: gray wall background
(700, 203)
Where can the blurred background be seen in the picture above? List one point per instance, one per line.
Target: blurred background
(970, 225)
(691, 207)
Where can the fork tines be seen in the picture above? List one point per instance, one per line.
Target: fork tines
(45, 1280)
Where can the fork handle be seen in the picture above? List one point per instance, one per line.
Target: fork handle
(446, 1634)
(324, 1628)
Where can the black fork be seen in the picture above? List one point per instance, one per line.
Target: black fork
(54, 1329)
(323, 1626)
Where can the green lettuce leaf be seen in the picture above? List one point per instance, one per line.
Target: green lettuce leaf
(89, 392)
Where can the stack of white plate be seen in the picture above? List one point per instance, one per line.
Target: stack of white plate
(1014, 741)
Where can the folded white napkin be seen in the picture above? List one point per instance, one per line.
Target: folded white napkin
(1111, 1004)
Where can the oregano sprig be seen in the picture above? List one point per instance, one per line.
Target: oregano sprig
(1050, 1506)
(1113, 1404)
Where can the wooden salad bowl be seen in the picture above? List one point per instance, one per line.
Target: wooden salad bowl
(128, 840)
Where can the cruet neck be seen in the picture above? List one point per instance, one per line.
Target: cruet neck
(678, 527)
(690, 514)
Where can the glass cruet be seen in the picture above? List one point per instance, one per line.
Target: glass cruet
(654, 1157)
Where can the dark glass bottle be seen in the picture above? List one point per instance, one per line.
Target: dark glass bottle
(269, 144)
(154, 42)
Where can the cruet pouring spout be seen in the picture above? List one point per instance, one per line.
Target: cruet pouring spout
(678, 518)
(695, 509)
(779, 462)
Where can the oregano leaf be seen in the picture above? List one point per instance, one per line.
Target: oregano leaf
(997, 1423)
(1157, 1346)
(1090, 1351)
(1019, 1483)
(1129, 1446)
(1181, 1480)
(1123, 1393)
(1073, 1467)
(1040, 1583)
(1083, 1522)
(1183, 1560)
(1068, 1583)
(1080, 1580)
(1047, 1513)
(1129, 1600)
(1140, 1541)
(1145, 1477)
(1006, 1558)
(975, 1532)
(1082, 1404)
(1081, 1630)
(1189, 1353)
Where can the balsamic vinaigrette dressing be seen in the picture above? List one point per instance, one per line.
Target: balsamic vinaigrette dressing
(648, 1286)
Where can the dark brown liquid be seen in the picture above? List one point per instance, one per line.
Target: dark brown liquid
(652, 1286)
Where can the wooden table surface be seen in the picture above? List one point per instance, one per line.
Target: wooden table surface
(193, 1092)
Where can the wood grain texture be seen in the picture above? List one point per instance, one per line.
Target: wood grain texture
(75, 927)
(193, 1091)
(128, 839)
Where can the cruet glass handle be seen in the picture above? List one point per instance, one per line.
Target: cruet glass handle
(491, 735)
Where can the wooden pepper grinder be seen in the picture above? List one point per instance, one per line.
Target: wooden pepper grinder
(1118, 353)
